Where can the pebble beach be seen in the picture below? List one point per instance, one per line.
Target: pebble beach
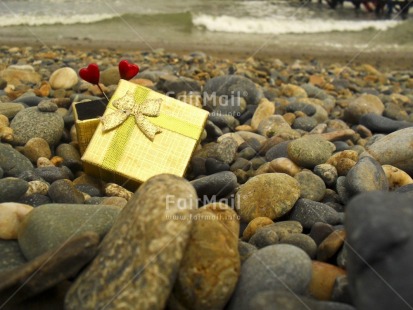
(301, 182)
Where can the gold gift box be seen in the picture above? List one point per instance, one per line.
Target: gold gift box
(142, 134)
(87, 115)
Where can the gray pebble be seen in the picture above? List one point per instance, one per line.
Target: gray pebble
(276, 267)
(245, 250)
(342, 191)
(70, 155)
(216, 185)
(367, 175)
(35, 200)
(213, 165)
(50, 225)
(63, 191)
(304, 123)
(279, 150)
(12, 162)
(311, 186)
(319, 231)
(212, 130)
(309, 212)
(233, 85)
(11, 189)
(247, 153)
(88, 189)
(382, 124)
(51, 174)
(31, 123)
(304, 242)
(29, 99)
(11, 255)
(10, 109)
(47, 106)
(242, 164)
(263, 237)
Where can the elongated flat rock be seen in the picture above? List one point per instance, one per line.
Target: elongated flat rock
(139, 258)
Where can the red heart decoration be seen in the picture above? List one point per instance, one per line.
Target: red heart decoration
(90, 74)
(127, 70)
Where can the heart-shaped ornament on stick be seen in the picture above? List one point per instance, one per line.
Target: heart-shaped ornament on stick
(127, 70)
(90, 74)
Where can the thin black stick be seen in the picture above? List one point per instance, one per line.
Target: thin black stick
(103, 92)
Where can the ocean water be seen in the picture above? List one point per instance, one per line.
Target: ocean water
(191, 20)
(238, 16)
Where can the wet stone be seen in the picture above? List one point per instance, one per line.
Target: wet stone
(126, 250)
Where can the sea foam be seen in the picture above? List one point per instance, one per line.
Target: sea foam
(279, 25)
(38, 20)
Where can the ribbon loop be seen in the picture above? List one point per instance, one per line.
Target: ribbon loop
(127, 106)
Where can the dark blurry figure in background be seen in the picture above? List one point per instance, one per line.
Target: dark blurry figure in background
(388, 7)
(382, 8)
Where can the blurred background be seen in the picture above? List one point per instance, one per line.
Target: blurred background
(227, 26)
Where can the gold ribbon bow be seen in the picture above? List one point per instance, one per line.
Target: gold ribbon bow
(126, 106)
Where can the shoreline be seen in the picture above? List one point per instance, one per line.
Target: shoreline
(392, 49)
(387, 59)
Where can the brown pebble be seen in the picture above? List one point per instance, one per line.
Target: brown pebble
(331, 245)
(252, 226)
(323, 279)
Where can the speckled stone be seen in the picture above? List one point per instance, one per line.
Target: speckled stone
(31, 123)
(11, 255)
(311, 186)
(149, 226)
(310, 151)
(211, 264)
(270, 195)
(50, 225)
(52, 174)
(11, 189)
(308, 212)
(12, 162)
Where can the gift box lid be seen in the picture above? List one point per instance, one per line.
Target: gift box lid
(141, 134)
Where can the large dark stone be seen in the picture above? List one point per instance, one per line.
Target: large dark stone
(380, 250)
